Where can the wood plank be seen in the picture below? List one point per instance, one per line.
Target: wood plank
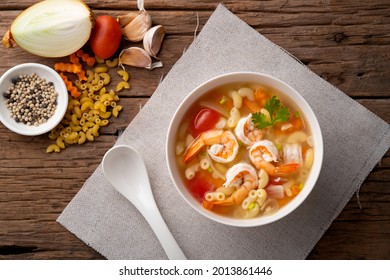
(360, 72)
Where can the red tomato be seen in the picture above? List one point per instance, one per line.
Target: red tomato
(204, 120)
(202, 182)
(106, 37)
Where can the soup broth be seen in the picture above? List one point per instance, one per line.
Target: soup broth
(244, 150)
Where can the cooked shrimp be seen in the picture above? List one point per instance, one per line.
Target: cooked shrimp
(263, 153)
(243, 177)
(247, 132)
(223, 146)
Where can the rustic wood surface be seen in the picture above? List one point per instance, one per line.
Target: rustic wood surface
(347, 42)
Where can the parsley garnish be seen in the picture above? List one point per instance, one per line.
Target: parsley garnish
(277, 112)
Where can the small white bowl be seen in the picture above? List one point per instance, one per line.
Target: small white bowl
(49, 75)
(286, 92)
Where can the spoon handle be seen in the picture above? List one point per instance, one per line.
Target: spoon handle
(161, 230)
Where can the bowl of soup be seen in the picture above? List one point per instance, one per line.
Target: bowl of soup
(244, 149)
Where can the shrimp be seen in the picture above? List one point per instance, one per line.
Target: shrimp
(244, 178)
(223, 146)
(263, 153)
(247, 132)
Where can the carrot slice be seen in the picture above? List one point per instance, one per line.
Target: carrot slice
(252, 105)
(295, 190)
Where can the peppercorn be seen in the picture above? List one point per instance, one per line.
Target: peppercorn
(31, 99)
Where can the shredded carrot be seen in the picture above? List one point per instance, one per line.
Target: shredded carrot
(86, 57)
(252, 105)
(70, 87)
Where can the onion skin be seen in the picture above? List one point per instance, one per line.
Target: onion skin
(51, 28)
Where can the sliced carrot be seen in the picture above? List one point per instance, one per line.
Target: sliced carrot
(295, 189)
(251, 105)
(286, 199)
(297, 123)
(207, 205)
(260, 96)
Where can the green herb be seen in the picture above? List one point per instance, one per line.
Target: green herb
(210, 169)
(277, 112)
(297, 114)
(301, 186)
(222, 101)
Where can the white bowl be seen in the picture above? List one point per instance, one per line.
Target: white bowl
(285, 91)
(49, 75)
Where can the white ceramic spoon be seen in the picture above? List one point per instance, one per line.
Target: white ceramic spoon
(126, 172)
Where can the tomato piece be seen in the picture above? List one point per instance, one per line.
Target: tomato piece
(106, 36)
(204, 120)
(202, 182)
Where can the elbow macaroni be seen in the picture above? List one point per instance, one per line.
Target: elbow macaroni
(90, 111)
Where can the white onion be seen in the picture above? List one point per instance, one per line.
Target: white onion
(52, 28)
(275, 191)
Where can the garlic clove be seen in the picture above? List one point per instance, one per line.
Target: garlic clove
(153, 39)
(137, 28)
(124, 20)
(136, 57)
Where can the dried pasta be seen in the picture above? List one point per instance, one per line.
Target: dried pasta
(91, 103)
(124, 75)
(122, 85)
(112, 63)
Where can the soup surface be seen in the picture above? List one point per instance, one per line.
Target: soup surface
(244, 150)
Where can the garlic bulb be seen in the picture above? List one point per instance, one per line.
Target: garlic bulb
(137, 57)
(51, 28)
(153, 39)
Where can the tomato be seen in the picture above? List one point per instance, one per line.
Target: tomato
(203, 182)
(106, 37)
(204, 120)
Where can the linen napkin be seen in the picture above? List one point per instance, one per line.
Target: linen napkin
(354, 141)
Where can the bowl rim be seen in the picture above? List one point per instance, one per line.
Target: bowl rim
(61, 106)
(247, 76)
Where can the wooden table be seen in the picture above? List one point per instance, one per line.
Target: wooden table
(346, 42)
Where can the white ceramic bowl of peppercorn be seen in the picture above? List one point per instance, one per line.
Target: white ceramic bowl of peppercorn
(33, 99)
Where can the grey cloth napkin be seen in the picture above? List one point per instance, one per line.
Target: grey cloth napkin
(354, 141)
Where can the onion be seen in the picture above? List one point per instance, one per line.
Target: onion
(51, 28)
(275, 191)
(215, 107)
